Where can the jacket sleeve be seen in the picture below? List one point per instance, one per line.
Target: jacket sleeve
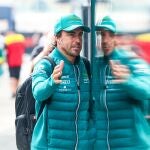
(138, 83)
(42, 82)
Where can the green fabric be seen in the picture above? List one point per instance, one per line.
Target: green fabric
(117, 108)
(1, 70)
(2, 60)
(69, 23)
(66, 119)
(140, 74)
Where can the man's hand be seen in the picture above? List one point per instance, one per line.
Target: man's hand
(121, 72)
(58, 72)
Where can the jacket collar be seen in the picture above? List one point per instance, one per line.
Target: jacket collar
(111, 55)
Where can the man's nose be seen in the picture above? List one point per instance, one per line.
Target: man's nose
(78, 39)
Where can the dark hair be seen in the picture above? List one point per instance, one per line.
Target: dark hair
(59, 34)
(36, 51)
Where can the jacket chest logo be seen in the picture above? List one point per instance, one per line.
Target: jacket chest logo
(64, 86)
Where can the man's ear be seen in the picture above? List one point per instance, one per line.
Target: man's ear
(57, 40)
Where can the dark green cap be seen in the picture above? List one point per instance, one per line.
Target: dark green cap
(107, 23)
(69, 23)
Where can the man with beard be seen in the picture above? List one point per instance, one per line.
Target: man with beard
(64, 122)
(122, 84)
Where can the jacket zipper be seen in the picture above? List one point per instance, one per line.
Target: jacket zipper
(77, 76)
(105, 103)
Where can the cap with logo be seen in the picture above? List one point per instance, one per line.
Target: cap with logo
(69, 23)
(107, 23)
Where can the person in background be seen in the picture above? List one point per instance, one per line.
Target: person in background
(43, 50)
(15, 48)
(122, 84)
(64, 123)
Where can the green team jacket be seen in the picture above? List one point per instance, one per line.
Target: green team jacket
(117, 108)
(64, 123)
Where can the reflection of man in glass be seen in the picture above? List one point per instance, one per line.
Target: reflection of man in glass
(121, 84)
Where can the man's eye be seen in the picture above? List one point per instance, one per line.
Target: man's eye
(102, 34)
(112, 35)
(81, 33)
(71, 33)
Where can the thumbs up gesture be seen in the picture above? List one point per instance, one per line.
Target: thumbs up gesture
(58, 72)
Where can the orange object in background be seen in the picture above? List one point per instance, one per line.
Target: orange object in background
(140, 43)
(145, 47)
(15, 46)
(143, 41)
